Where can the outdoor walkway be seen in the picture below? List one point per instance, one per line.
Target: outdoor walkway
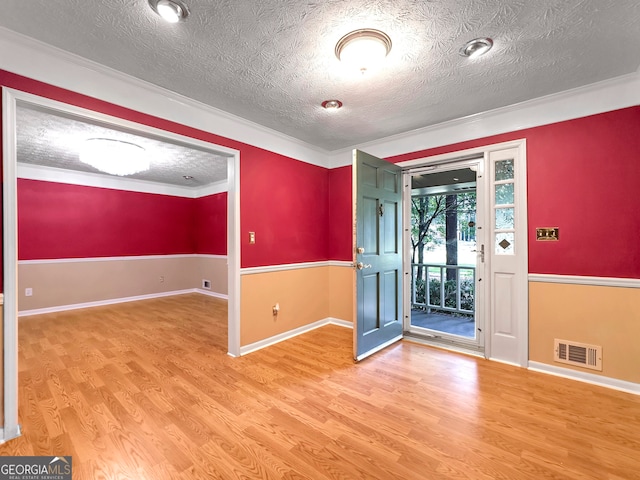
(442, 322)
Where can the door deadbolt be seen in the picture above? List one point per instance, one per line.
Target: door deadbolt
(360, 250)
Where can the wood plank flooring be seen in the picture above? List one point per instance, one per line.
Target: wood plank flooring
(145, 390)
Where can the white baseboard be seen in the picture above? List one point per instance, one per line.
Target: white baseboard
(212, 294)
(267, 342)
(339, 322)
(113, 301)
(608, 382)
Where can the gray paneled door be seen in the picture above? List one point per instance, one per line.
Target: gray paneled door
(378, 253)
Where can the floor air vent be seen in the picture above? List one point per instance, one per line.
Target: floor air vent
(578, 354)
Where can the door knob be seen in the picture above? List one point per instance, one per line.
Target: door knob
(361, 265)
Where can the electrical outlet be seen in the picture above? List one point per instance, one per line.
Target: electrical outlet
(206, 284)
(161, 278)
(28, 292)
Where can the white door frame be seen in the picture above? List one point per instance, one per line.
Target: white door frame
(10, 100)
(520, 355)
(482, 220)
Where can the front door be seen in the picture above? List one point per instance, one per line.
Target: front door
(377, 253)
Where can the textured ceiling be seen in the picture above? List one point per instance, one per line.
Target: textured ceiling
(52, 140)
(272, 61)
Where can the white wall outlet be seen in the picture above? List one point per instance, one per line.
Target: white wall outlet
(276, 309)
(161, 278)
(28, 292)
(206, 284)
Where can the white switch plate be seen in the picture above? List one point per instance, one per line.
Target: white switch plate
(28, 292)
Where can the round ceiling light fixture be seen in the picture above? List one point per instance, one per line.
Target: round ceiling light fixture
(331, 104)
(172, 11)
(364, 48)
(476, 47)
(114, 157)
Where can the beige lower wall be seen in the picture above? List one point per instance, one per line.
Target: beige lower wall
(597, 315)
(216, 271)
(303, 295)
(342, 284)
(57, 284)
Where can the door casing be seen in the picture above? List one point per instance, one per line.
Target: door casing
(516, 353)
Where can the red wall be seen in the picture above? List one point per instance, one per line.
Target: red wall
(210, 224)
(340, 214)
(583, 177)
(283, 200)
(285, 204)
(57, 220)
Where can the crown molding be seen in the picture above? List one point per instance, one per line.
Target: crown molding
(211, 189)
(605, 96)
(87, 179)
(37, 60)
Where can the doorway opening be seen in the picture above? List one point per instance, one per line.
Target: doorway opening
(444, 245)
(15, 102)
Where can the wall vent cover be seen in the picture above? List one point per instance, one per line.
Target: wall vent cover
(578, 354)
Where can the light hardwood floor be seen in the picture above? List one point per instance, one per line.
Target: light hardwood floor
(146, 391)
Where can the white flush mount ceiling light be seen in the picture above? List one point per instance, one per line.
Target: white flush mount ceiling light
(476, 47)
(331, 105)
(172, 11)
(114, 157)
(364, 48)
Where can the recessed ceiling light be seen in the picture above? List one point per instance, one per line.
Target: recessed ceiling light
(114, 156)
(172, 11)
(476, 47)
(364, 48)
(331, 104)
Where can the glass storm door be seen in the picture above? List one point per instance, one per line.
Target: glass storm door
(377, 253)
(446, 251)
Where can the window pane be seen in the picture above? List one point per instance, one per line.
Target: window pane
(504, 243)
(504, 170)
(504, 194)
(504, 218)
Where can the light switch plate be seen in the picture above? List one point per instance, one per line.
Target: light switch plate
(547, 234)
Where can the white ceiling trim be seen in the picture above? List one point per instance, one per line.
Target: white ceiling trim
(58, 175)
(212, 189)
(31, 58)
(620, 92)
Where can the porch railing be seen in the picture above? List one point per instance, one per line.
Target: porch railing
(432, 290)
